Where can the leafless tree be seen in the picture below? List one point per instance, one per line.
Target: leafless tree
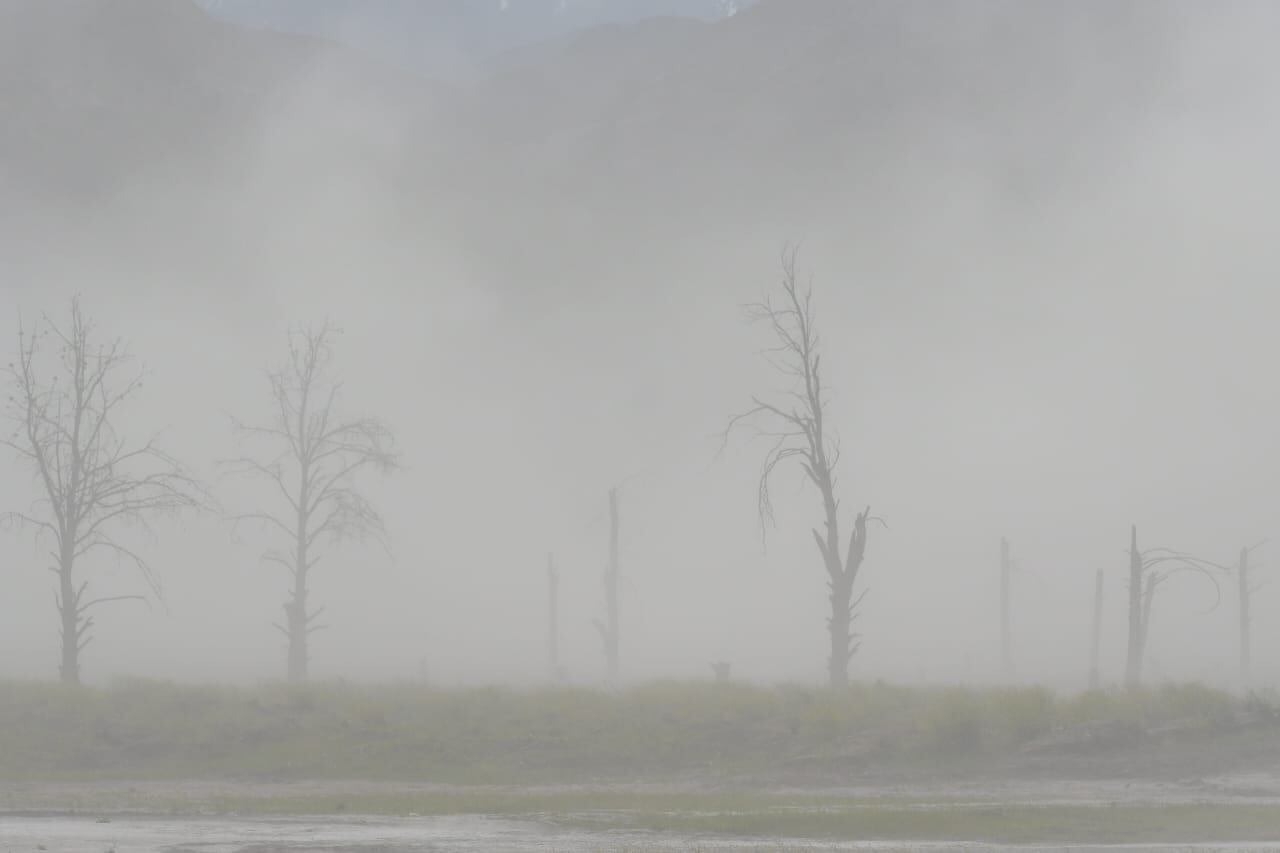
(796, 425)
(67, 391)
(310, 455)
(553, 618)
(1246, 586)
(1095, 635)
(1006, 629)
(608, 628)
(1148, 570)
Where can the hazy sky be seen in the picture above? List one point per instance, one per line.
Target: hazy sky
(1030, 332)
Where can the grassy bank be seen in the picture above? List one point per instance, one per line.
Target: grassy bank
(156, 730)
(1053, 824)
(746, 815)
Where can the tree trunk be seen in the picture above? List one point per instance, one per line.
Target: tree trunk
(842, 574)
(1245, 627)
(1095, 680)
(841, 598)
(840, 631)
(296, 609)
(69, 671)
(553, 618)
(1133, 658)
(1006, 634)
(609, 628)
(1148, 595)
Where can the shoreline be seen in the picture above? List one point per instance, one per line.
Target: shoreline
(659, 821)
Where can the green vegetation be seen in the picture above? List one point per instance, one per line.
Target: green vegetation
(660, 730)
(717, 753)
(1022, 824)
(743, 814)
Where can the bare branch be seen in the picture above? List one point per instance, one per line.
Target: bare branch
(112, 598)
(66, 392)
(265, 518)
(317, 458)
(798, 430)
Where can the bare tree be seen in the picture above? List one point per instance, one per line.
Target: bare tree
(67, 391)
(796, 424)
(1245, 588)
(553, 618)
(311, 458)
(1095, 635)
(608, 629)
(1148, 570)
(1006, 631)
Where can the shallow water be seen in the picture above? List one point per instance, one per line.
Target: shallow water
(463, 834)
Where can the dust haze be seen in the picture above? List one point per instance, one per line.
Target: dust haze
(1040, 239)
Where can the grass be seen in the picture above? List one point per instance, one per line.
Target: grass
(763, 815)
(661, 730)
(994, 824)
(716, 753)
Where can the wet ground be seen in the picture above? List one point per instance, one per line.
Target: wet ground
(182, 817)
(26, 834)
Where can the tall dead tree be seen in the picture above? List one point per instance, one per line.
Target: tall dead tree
(608, 629)
(1148, 570)
(1133, 650)
(1245, 588)
(1006, 633)
(1095, 678)
(311, 457)
(1242, 582)
(796, 424)
(67, 393)
(553, 618)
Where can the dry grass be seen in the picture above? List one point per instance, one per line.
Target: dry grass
(156, 730)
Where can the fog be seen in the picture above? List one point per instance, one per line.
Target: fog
(1046, 298)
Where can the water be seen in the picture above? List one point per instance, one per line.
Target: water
(22, 834)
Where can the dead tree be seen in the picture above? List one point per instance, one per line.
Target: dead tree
(1133, 650)
(608, 629)
(553, 618)
(1006, 633)
(67, 391)
(1095, 679)
(1148, 570)
(796, 424)
(1245, 588)
(1148, 596)
(1242, 581)
(311, 458)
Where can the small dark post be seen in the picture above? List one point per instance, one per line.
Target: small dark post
(1148, 595)
(1245, 626)
(609, 628)
(1006, 636)
(553, 616)
(1095, 680)
(1133, 656)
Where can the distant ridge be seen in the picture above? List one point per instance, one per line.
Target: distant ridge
(455, 38)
